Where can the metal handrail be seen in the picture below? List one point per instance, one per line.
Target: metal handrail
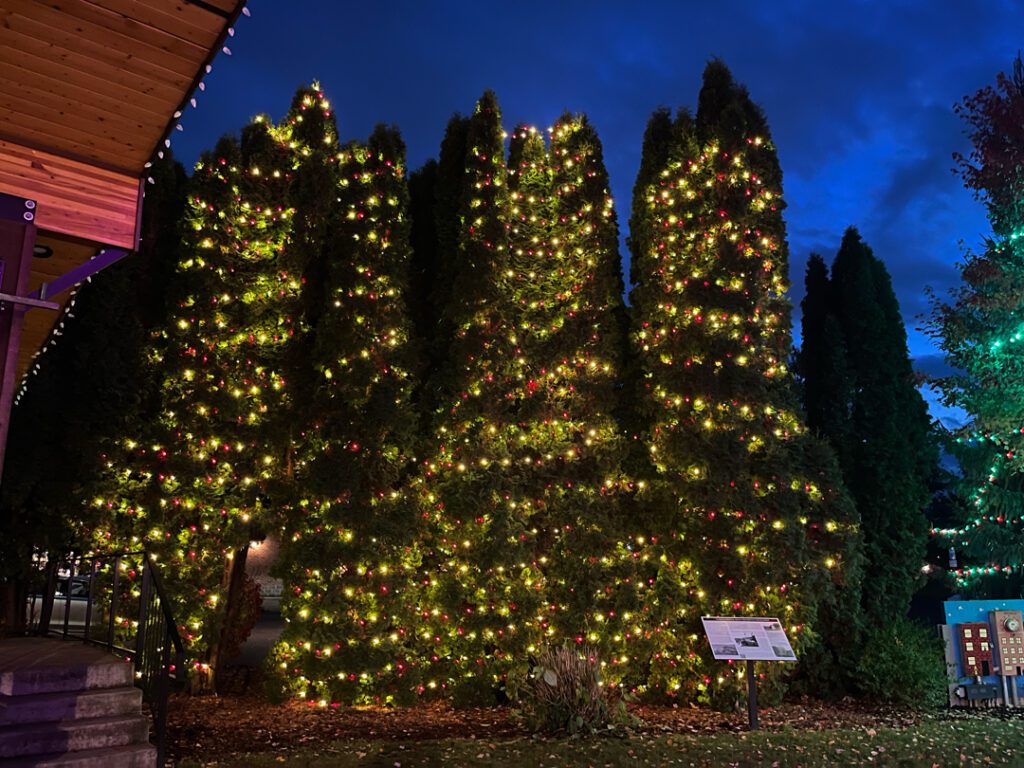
(158, 652)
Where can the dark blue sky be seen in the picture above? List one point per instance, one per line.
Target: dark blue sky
(858, 95)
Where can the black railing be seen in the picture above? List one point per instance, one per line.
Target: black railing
(94, 591)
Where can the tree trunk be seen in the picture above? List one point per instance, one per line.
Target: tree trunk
(233, 599)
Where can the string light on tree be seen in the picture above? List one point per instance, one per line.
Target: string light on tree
(741, 501)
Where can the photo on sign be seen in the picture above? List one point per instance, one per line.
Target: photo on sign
(748, 641)
(783, 653)
(724, 650)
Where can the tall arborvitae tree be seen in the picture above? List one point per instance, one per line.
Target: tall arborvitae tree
(191, 484)
(980, 328)
(349, 550)
(572, 338)
(861, 395)
(93, 365)
(481, 589)
(822, 361)
(879, 425)
(523, 487)
(827, 389)
(425, 265)
(743, 506)
(447, 192)
(659, 138)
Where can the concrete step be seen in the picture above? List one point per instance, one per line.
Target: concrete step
(131, 756)
(21, 740)
(69, 705)
(36, 665)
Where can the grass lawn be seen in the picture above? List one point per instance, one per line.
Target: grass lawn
(933, 743)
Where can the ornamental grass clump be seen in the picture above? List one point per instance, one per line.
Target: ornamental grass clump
(564, 694)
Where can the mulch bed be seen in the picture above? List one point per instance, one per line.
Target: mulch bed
(216, 728)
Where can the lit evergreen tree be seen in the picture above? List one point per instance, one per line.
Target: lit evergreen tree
(350, 549)
(191, 484)
(743, 506)
(568, 279)
(481, 589)
(980, 329)
(523, 489)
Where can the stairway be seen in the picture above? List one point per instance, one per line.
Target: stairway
(63, 703)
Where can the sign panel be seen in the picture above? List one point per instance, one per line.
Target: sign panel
(747, 639)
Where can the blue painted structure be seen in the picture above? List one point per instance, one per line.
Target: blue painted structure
(965, 611)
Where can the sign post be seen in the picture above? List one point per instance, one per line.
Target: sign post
(738, 638)
(751, 695)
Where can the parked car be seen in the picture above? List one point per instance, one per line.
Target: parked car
(75, 609)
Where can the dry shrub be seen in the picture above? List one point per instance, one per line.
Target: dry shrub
(563, 693)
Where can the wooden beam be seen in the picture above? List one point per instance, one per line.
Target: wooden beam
(73, 198)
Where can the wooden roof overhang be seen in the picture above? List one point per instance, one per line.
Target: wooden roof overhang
(91, 90)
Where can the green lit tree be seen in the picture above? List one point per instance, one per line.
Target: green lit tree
(980, 329)
(350, 546)
(481, 589)
(568, 281)
(742, 505)
(523, 487)
(191, 483)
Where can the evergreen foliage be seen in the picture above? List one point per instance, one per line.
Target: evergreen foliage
(522, 486)
(892, 451)
(979, 329)
(902, 662)
(822, 362)
(425, 264)
(421, 385)
(350, 541)
(473, 602)
(191, 483)
(745, 509)
(573, 323)
(861, 395)
(439, 293)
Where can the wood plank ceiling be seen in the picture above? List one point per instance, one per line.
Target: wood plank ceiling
(99, 81)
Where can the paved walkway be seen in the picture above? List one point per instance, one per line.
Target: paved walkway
(262, 638)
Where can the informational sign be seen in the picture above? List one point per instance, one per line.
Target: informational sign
(746, 639)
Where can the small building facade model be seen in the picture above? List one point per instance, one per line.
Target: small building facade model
(975, 649)
(984, 652)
